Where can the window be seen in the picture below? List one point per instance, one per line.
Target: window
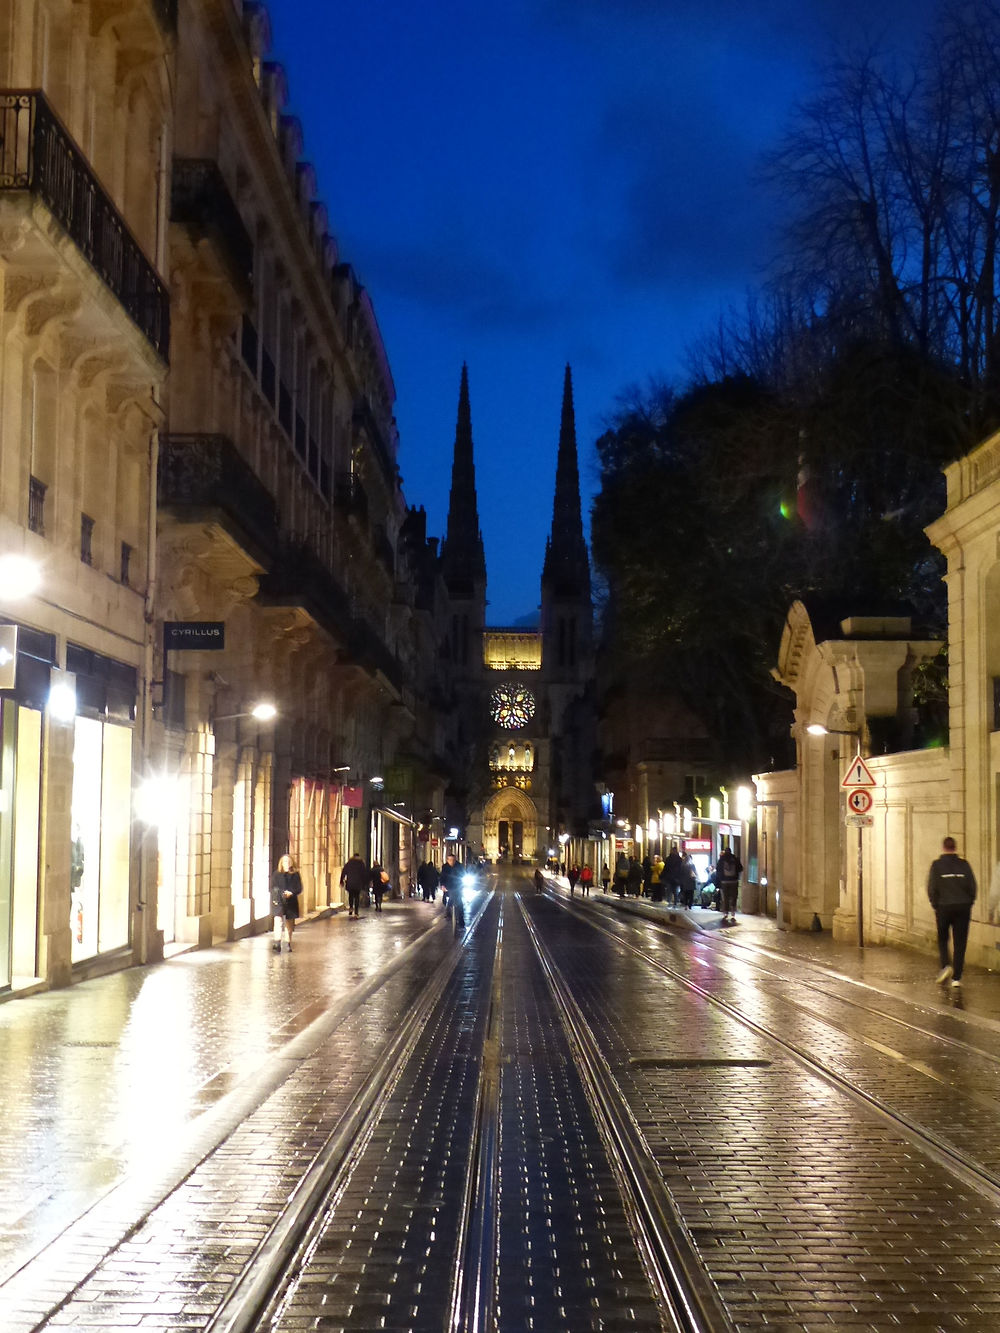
(36, 505)
(86, 539)
(126, 564)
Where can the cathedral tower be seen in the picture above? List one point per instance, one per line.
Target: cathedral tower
(567, 610)
(463, 559)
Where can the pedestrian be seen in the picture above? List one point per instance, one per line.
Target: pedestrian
(671, 877)
(634, 878)
(356, 877)
(539, 879)
(656, 879)
(427, 880)
(689, 880)
(951, 887)
(379, 883)
(573, 874)
(586, 880)
(621, 874)
(286, 886)
(605, 876)
(728, 871)
(451, 885)
(647, 876)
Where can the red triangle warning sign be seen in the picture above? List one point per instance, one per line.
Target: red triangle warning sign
(858, 774)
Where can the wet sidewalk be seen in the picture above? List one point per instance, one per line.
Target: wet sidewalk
(890, 969)
(128, 1079)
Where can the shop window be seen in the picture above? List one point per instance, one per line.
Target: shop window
(100, 828)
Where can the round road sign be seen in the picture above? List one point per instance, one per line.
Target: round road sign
(859, 801)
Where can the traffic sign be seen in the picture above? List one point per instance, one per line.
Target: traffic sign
(859, 800)
(861, 821)
(858, 774)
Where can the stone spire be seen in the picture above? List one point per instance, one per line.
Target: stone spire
(566, 571)
(463, 559)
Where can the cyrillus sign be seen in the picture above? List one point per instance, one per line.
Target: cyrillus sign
(194, 635)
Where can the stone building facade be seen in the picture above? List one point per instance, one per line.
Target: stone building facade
(854, 676)
(198, 457)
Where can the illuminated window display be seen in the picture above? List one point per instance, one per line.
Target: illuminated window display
(100, 828)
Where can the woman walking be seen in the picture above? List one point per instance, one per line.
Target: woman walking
(286, 886)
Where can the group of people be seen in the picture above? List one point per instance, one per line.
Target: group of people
(357, 878)
(675, 880)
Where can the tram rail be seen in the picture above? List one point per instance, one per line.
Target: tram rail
(960, 1164)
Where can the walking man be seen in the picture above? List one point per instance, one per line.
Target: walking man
(355, 877)
(728, 872)
(427, 879)
(951, 887)
(586, 879)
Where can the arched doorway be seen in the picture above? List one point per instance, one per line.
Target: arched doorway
(510, 825)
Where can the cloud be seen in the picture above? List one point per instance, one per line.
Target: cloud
(481, 291)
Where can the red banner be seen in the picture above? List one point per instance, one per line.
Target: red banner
(354, 797)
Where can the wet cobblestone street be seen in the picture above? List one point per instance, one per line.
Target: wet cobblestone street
(821, 1123)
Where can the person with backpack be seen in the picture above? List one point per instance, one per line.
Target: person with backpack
(951, 888)
(728, 873)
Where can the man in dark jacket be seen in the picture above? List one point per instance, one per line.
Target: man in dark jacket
(728, 873)
(355, 877)
(951, 887)
(427, 880)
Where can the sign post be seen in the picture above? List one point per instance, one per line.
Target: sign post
(857, 782)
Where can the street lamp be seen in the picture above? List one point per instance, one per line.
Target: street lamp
(19, 576)
(262, 712)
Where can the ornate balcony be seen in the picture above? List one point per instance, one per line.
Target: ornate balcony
(200, 200)
(38, 157)
(298, 577)
(203, 476)
(350, 496)
(366, 422)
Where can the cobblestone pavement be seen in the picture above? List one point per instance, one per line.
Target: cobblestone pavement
(809, 1211)
(158, 1120)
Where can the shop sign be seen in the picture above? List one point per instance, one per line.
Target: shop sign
(194, 635)
(697, 844)
(435, 842)
(727, 831)
(8, 656)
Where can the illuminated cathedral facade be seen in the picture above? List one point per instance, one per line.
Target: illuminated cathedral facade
(524, 696)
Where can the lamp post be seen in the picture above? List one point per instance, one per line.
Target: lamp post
(818, 729)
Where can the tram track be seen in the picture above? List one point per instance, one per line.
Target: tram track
(959, 1164)
(260, 1296)
(687, 1299)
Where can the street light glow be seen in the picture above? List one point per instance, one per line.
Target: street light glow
(19, 576)
(264, 712)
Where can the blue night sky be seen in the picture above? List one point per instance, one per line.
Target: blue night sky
(540, 181)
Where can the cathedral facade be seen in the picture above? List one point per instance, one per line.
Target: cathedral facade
(523, 696)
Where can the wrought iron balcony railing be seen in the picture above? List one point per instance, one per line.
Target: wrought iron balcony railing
(200, 200)
(199, 473)
(298, 577)
(349, 495)
(366, 420)
(38, 156)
